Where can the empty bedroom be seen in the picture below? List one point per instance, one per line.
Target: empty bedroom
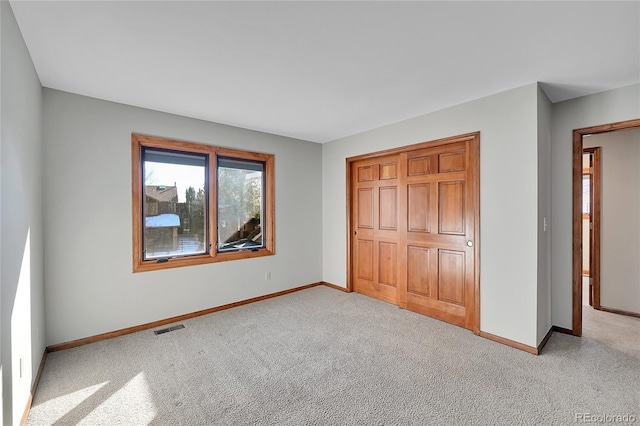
(292, 212)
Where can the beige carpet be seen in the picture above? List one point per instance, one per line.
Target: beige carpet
(320, 356)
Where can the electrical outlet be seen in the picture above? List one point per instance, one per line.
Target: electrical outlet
(267, 275)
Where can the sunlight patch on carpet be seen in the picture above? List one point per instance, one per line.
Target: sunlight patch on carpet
(56, 408)
(131, 404)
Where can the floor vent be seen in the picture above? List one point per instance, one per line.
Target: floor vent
(168, 329)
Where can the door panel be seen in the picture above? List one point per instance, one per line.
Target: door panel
(387, 263)
(418, 200)
(419, 166)
(451, 162)
(388, 208)
(451, 276)
(389, 171)
(365, 174)
(451, 215)
(418, 270)
(415, 211)
(365, 260)
(365, 208)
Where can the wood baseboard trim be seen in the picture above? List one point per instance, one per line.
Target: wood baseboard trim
(141, 327)
(337, 287)
(620, 312)
(508, 342)
(34, 387)
(562, 330)
(545, 340)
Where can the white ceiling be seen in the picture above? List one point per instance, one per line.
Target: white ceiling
(320, 71)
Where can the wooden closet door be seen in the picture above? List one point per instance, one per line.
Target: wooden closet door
(440, 240)
(414, 215)
(376, 227)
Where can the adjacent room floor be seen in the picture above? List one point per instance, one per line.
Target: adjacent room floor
(321, 356)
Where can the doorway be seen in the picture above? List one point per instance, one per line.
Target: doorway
(577, 262)
(413, 228)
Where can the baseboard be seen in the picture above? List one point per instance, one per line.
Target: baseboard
(337, 287)
(25, 415)
(545, 340)
(562, 330)
(129, 330)
(508, 342)
(620, 312)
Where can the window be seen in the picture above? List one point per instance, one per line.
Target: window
(240, 204)
(586, 194)
(174, 197)
(195, 204)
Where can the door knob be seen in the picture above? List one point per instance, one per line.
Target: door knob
(470, 243)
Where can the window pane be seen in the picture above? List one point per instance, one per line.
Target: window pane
(586, 195)
(240, 204)
(175, 217)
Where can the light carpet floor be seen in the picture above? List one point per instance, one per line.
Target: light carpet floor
(323, 357)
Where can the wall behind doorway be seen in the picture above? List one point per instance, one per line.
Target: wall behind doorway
(620, 218)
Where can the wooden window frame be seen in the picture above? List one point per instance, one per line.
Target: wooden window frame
(138, 143)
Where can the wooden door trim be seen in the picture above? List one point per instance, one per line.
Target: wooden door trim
(349, 225)
(420, 145)
(474, 164)
(577, 212)
(594, 237)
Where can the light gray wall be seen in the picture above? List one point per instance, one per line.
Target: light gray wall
(544, 213)
(21, 234)
(1, 287)
(1, 291)
(508, 200)
(90, 286)
(620, 218)
(606, 107)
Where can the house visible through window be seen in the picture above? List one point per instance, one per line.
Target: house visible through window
(175, 204)
(196, 203)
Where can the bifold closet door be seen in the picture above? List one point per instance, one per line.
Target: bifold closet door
(414, 216)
